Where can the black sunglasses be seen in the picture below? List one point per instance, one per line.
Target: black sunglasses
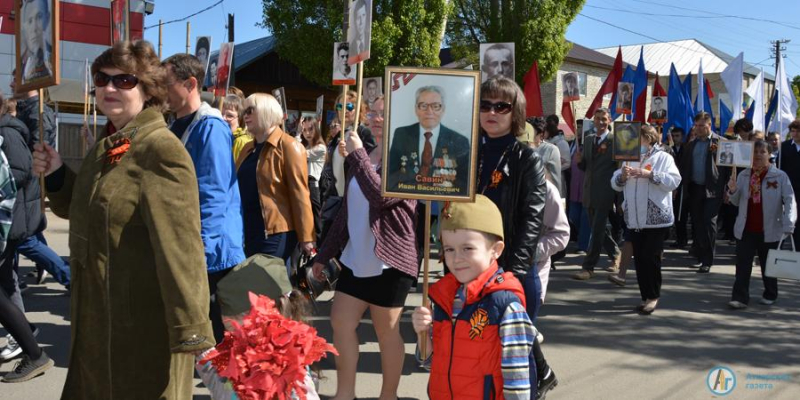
(248, 110)
(350, 106)
(120, 81)
(500, 107)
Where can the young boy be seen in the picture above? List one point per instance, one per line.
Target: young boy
(481, 335)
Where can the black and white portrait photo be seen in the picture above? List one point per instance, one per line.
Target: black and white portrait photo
(373, 87)
(658, 109)
(343, 72)
(734, 153)
(432, 134)
(37, 51)
(569, 86)
(360, 30)
(624, 98)
(202, 49)
(211, 73)
(497, 59)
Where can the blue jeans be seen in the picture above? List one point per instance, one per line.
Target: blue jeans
(579, 217)
(36, 250)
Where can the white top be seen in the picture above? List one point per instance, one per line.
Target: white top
(434, 138)
(338, 171)
(359, 253)
(316, 160)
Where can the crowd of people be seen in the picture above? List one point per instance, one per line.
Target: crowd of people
(177, 192)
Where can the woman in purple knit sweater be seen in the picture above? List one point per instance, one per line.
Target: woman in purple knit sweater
(378, 268)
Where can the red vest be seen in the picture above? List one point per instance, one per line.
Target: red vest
(467, 355)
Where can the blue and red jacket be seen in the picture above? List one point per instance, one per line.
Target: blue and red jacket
(467, 353)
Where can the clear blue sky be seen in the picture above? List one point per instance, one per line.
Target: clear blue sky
(690, 19)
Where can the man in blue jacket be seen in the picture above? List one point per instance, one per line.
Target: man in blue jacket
(209, 140)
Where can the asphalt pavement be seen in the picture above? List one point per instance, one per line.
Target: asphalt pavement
(598, 346)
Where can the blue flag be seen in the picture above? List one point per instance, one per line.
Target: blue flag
(626, 77)
(706, 107)
(773, 105)
(725, 117)
(687, 86)
(679, 109)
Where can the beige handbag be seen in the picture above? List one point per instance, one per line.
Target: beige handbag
(783, 263)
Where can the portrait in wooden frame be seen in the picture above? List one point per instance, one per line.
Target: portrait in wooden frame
(430, 133)
(626, 141)
(36, 27)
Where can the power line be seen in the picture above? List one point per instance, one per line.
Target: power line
(186, 17)
(785, 24)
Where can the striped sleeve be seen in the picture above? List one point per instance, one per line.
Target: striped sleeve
(516, 338)
(8, 195)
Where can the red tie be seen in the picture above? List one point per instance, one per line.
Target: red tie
(427, 155)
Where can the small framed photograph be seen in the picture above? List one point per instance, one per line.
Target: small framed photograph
(343, 72)
(569, 86)
(626, 141)
(359, 31)
(320, 106)
(431, 134)
(585, 127)
(37, 31)
(120, 21)
(497, 59)
(224, 69)
(624, 98)
(280, 95)
(658, 109)
(211, 72)
(734, 153)
(373, 87)
(292, 119)
(202, 49)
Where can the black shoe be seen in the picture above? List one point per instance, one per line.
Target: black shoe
(546, 384)
(704, 269)
(27, 369)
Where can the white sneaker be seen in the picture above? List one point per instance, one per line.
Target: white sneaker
(737, 305)
(12, 349)
(539, 337)
(766, 302)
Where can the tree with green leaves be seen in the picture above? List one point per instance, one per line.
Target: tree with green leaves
(796, 90)
(537, 28)
(404, 33)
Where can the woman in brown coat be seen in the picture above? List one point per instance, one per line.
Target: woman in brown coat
(139, 294)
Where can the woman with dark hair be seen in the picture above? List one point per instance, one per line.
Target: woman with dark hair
(138, 263)
(511, 174)
(648, 186)
(315, 148)
(768, 212)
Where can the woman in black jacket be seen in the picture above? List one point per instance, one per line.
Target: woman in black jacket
(512, 175)
(26, 221)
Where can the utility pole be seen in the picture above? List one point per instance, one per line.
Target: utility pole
(778, 47)
(230, 28)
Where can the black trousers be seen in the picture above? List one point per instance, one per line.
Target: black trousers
(9, 280)
(704, 223)
(728, 213)
(681, 211)
(214, 311)
(648, 244)
(602, 236)
(18, 326)
(316, 205)
(746, 249)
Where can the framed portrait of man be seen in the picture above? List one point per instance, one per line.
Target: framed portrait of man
(658, 109)
(120, 21)
(430, 133)
(734, 153)
(359, 31)
(292, 119)
(626, 141)
(497, 59)
(624, 98)
(37, 27)
(343, 72)
(211, 73)
(224, 69)
(280, 95)
(569, 86)
(202, 50)
(373, 87)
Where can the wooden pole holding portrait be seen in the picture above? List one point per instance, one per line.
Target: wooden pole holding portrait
(343, 113)
(359, 85)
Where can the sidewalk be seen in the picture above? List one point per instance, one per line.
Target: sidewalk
(594, 341)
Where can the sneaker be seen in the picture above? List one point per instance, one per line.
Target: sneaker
(616, 280)
(12, 347)
(737, 305)
(704, 269)
(27, 368)
(766, 302)
(583, 275)
(546, 384)
(41, 275)
(539, 337)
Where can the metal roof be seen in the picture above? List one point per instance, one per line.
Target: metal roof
(585, 54)
(685, 54)
(245, 53)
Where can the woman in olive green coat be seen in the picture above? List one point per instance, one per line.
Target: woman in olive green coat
(139, 294)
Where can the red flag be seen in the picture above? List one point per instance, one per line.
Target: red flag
(708, 90)
(533, 92)
(566, 113)
(658, 91)
(609, 86)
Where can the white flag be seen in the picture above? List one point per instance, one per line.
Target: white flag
(732, 78)
(787, 103)
(756, 92)
(701, 89)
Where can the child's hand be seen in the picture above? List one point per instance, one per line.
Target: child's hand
(421, 319)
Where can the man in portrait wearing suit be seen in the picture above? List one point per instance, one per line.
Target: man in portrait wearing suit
(342, 70)
(571, 89)
(598, 163)
(35, 47)
(359, 43)
(726, 157)
(658, 113)
(421, 148)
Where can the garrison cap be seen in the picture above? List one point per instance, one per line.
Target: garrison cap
(482, 216)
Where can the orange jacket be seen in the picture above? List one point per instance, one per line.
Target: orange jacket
(282, 180)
